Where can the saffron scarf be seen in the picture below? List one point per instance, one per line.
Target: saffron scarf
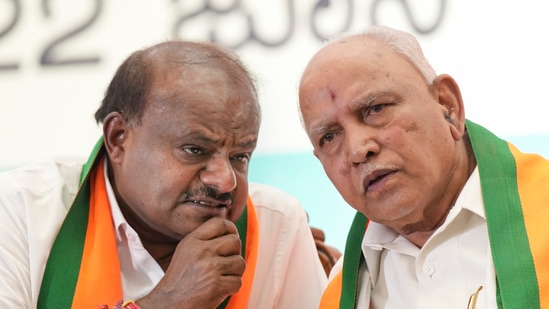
(515, 189)
(83, 269)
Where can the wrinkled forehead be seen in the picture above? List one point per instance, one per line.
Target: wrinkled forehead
(349, 70)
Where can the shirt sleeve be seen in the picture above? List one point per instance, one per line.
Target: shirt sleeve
(33, 203)
(305, 277)
(15, 284)
(289, 273)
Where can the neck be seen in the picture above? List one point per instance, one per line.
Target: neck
(419, 236)
(159, 246)
(419, 233)
(161, 252)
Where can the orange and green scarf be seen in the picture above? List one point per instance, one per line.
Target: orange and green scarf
(515, 189)
(83, 269)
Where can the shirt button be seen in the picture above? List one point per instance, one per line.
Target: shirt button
(131, 238)
(429, 269)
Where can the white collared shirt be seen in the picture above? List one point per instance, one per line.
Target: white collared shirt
(451, 266)
(34, 201)
(139, 270)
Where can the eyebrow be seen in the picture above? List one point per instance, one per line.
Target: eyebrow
(204, 138)
(369, 100)
(360, 104)
(248, 144)
(318, 131)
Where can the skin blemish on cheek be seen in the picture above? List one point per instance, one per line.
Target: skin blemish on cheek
(343, 169)
(411, 127)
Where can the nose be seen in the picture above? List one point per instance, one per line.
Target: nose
(220, 174)
(361, 145)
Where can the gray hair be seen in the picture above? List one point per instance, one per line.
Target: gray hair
(402, 43)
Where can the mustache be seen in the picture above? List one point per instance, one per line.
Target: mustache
(207, 192)
(378, 166)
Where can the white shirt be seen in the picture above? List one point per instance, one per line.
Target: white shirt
(35, 199)
(452, 265)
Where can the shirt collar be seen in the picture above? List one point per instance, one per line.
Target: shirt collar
(121, 226)
(378, 236)
(470, 198)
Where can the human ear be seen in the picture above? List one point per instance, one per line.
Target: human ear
(451, 103)
(115, 133)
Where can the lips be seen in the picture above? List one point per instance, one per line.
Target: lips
(205, 208)
(375, 180)
(208, 202)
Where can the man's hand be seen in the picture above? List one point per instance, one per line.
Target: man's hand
(205, 269)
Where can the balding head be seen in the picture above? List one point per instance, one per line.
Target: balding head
(135, 78)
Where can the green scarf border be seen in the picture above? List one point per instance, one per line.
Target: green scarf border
(352, 261)
(516, 279)
(63, 266)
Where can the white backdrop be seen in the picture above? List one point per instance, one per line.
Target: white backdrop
(497, 50)
(57, 57)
